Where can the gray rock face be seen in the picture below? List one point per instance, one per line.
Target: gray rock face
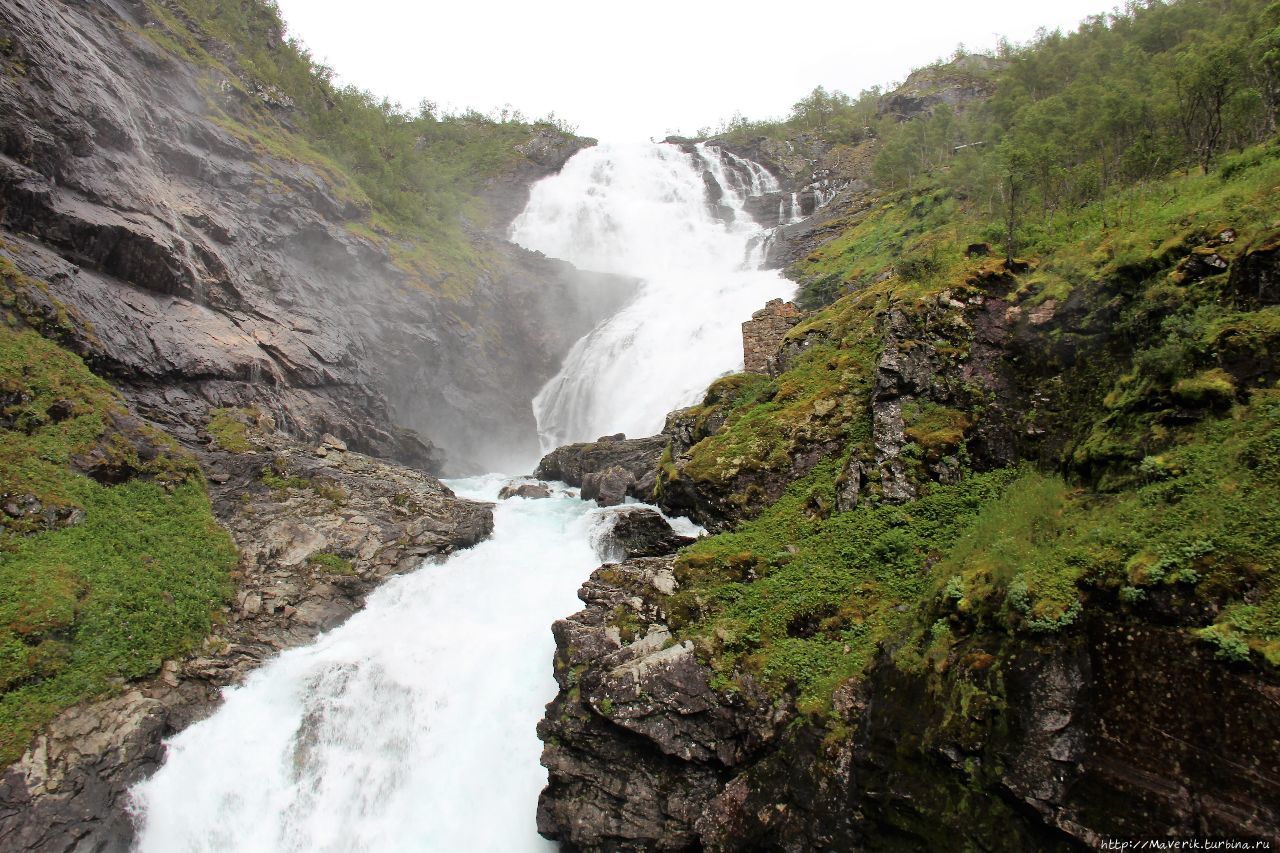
(189, 262)
(609, 487)
(637, 457)
(637, 742)
(363, 518)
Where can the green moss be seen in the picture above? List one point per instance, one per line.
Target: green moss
(935, 427)
(230, 429)
(1208, 387)
(801, 602)
(334, 564)
(133, 583)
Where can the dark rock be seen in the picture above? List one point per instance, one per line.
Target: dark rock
(608, 487)
(531, 491)
(1200, 264)
(638, 456)
(641, 532)
(60, 410)
(1255, 276)
(978, 250)
(639, 742)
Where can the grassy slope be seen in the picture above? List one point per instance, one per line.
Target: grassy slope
(1152, 506)
(136, 581)
(410, 182)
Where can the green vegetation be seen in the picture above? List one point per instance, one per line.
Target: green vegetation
(800, 601)
(1084, 120)
(408, 178)
(102, 582)
(334, 564)
(1206, 525)
(1156, 498)
(230, 429)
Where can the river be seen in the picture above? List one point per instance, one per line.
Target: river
(411, 727)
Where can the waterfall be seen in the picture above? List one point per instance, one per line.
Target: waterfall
(411, 727)
(641, 210)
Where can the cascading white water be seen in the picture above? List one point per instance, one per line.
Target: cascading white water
(641, 210)
(411, 727)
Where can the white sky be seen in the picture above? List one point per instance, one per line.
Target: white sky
(623, 71)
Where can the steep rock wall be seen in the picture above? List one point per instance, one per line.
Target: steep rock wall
(199, 269)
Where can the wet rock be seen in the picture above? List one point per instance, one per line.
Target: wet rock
(638, 742)
(240, 283)
(532, 491)
(641, 532)
(574, 462)
(608, 487)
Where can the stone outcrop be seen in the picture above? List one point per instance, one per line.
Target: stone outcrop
(317, 528)
(640, 532)
(638, 740)
(957, 84)
(763, 334)
(1056, 744)
(630, 463)
(197, 269)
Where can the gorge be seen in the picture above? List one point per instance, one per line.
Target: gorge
(912, 457)
(398, 728)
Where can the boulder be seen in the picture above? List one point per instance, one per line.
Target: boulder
(532, 491)
(609, 487)
(574, 462)
(641, 532)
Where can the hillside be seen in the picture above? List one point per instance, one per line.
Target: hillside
(223, 227)
(996, 528)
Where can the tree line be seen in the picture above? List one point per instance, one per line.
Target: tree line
(1070, 119)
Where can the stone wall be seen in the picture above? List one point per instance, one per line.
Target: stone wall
(762, 335)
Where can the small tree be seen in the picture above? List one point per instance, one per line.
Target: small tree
(1204, 80)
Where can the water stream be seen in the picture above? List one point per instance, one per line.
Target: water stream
(411, 727)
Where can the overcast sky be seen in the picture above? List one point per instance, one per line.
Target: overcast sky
(623, 71)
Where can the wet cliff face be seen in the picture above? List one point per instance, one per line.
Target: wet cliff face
(198, 268)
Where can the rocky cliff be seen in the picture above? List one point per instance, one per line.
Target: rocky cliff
(201, 256)
(993, 565)
(316, 529)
